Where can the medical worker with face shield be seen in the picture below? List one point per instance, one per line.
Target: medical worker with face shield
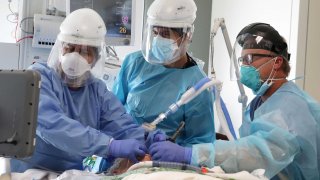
(152, 79)
(281, 130)
(78, 117)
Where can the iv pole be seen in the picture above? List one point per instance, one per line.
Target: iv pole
(220, 23)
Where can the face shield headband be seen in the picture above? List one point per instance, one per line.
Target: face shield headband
(252, 41)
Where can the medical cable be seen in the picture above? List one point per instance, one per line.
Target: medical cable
(21, 23)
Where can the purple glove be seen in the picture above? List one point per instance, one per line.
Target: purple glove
(171, 152)
(128, 148)
(155, 136)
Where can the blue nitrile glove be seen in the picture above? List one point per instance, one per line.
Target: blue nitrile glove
(155, 136)
(127, 148)
(171, 152)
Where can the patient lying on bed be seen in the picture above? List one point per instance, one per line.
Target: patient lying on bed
(146, 169)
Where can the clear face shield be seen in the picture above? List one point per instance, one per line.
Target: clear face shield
(77, 64)
(165, 45)
(247, 49)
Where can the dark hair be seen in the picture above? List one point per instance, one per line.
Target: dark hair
(274, 41)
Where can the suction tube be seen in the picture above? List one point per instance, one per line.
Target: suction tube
(226, 114)
(223, 114)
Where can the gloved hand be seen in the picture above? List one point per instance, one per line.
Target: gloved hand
(127, 148)
(168, 151)
(155, 136)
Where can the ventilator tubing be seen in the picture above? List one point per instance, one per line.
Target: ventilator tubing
(223, 115)
(185, 98)
(173, 165)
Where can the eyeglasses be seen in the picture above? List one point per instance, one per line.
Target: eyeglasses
(250, 58)
(84, 51)
(165, 32)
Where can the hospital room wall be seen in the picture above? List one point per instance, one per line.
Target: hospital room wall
(312, 61)
(306, 48)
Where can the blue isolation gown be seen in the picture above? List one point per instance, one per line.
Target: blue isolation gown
(283, 139)
(147, 90)
(73, 125)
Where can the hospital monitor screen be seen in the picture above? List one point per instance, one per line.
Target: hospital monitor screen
(19, 97)
(117, 15)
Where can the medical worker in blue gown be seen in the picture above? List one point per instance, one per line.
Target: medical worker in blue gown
(152, 79)
(78, 116)
(281, 131)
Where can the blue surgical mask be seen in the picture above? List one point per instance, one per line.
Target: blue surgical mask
(264, 87)
(250, 77)
(164, 50)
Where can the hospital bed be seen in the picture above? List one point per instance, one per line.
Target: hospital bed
(140, 171)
